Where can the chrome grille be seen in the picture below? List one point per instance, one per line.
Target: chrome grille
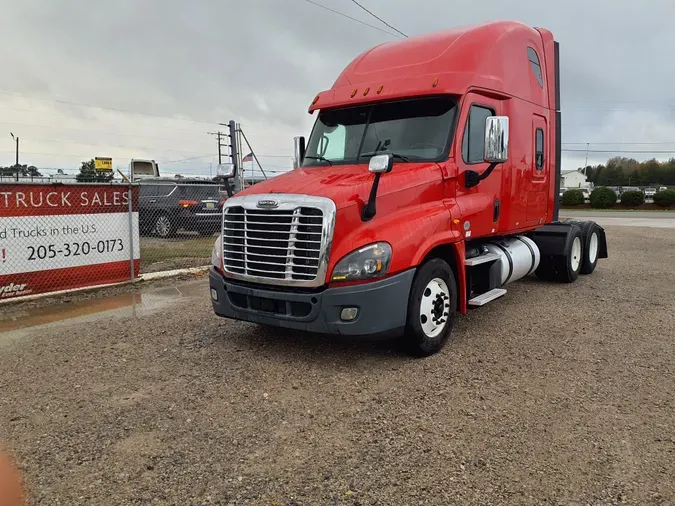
(284, 245)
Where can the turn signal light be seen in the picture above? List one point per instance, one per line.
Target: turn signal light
(187, 203)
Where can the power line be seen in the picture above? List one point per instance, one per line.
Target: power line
(86, 130)
(380, 19)
(114, 109)
(86, 118)
(187, 159)
(73, 155)
(353, 19)
(619, 151)
(113, 146)
(618, 143)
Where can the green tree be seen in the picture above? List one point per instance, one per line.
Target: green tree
(24, 171)
(88, 174)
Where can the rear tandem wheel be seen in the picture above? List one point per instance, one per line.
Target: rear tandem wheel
(564, 268)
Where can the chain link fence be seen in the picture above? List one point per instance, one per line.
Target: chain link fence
(60, 236)
(178, 223)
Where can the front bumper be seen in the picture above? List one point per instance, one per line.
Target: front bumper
(382, 305)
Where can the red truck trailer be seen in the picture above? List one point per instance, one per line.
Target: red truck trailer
(429, 182)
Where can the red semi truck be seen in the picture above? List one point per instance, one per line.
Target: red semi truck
(429, 182)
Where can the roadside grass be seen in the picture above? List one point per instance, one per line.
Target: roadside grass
(178, 252)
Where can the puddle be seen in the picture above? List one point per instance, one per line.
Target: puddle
(20, 323)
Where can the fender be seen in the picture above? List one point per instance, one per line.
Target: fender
(410, 230)
(454, 241)
(413, 234)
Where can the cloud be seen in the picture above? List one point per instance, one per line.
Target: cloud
(261, 62)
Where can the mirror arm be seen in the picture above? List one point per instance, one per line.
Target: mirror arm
(488, 171)
(472, 178)
(369, 209)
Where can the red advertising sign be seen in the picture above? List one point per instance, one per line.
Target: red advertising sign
(56, 237)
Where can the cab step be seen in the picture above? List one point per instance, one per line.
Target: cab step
(481, 259)
(486, 297)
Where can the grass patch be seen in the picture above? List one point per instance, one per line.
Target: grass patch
(175, 253)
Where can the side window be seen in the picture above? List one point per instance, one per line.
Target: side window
(539, 149)
(332, 146)
(536, 66)
(473, 143)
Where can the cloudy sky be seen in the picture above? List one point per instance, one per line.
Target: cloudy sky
(150, 78)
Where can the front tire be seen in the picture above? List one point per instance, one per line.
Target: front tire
(431, 308)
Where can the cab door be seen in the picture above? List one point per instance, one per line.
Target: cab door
(539, 172)
(480, 206)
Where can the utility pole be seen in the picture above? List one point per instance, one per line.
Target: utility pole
(252, 152)
(17, 154)
(588, 145)
(219, 136)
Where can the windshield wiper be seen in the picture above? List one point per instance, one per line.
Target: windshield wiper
(320, 158)
(395, 155)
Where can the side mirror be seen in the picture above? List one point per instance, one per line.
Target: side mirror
(226, 170)
(496, 139)
(381, 164)
(298, 151)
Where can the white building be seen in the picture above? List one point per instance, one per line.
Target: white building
(573, 179)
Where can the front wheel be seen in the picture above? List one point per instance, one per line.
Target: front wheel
(431, 308)
(164, 226)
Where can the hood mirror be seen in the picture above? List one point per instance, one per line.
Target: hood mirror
(381, 164)
(298, 151)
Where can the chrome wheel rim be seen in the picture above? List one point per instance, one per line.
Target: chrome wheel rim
(435, 307)
(593, 248)
(576, 253)
(162, 226)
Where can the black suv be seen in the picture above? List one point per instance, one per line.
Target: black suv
(167, 205)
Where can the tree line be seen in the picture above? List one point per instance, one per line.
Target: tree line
(620, 171)
(24, 171)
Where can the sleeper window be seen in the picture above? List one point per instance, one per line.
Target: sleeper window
(539, 149)
(536, 66)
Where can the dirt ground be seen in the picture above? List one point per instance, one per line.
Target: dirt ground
(555, 394)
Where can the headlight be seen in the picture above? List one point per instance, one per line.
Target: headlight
(217, 252)
(371, 261)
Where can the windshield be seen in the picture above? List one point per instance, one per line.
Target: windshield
(417, 130)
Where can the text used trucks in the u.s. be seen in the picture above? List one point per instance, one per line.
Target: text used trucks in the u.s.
(429, 182)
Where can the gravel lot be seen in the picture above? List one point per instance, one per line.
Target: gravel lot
(556, 394)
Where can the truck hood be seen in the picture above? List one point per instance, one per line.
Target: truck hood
(347, 185)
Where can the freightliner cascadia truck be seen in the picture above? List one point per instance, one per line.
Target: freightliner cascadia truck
(428, 183)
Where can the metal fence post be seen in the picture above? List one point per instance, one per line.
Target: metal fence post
(131, 234)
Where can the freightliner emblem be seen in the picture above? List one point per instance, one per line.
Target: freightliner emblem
(268, 203)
